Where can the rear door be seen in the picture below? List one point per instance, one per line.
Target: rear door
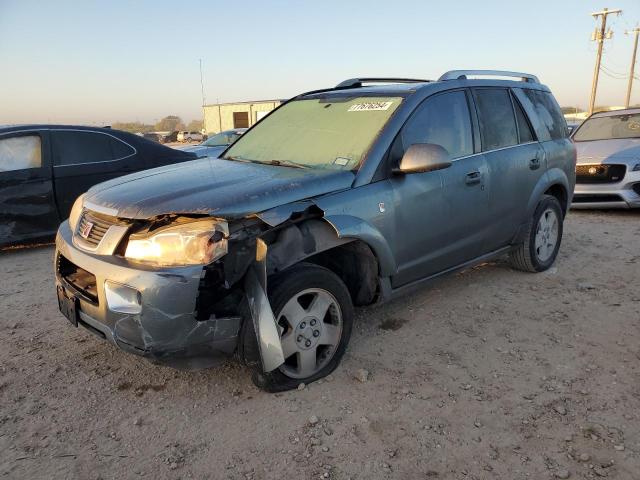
(551, 129)
(515, 159)
(27, 203)
(83, 158)
(441, 215)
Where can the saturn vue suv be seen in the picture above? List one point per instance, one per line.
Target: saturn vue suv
(339, 198)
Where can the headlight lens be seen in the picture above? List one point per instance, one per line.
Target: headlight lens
(193, 243)
(76, 210)
(636, 167)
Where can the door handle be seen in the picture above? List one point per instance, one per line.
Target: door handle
(534, 163)
(472, 178)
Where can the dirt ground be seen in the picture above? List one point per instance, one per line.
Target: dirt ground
(490, 373)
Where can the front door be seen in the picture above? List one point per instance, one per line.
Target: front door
(441, 216)
(27, 204)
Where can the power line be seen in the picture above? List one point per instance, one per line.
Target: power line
(613, 74)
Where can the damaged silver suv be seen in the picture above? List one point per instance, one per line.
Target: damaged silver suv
(339, 198)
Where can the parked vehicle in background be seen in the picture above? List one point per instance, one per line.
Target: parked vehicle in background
(571, 127)
(152, 136)
(215, 145)
(43, 169)
(190, 137)
(170, 137)
(340, 197)
(608, 166)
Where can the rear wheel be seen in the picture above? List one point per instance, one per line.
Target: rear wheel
(314, 314)
(542, 239)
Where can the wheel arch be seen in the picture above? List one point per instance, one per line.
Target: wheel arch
(346, 247)
(555, 183)
(559, 191)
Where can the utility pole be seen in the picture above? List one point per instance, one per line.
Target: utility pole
(201, 83)
(600, 35)
(202, 92)
(635, 31)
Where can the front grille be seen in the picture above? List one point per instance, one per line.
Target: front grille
(596, 198)
(636, 188)
(93, 226)
(600, 173)
(82, 281)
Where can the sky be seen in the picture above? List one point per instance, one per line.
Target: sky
(98, 62)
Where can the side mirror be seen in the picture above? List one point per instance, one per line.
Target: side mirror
(424, 157)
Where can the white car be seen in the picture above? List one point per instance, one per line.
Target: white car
(215, 145)
(190, 137)
(608, 162)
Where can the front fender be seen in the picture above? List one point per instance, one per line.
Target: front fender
(348, 226)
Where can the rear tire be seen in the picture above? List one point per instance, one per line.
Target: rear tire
(542, 238)
(313, 309)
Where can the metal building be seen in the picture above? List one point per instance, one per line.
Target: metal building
(225, 116)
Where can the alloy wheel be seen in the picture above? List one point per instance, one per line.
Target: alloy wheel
(546, 235)
(311, 329)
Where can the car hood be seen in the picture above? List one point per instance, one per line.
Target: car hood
(191, 148)
(203, 150)
(223, 188)
(622, 150)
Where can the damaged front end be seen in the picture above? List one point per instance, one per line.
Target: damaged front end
(178, 288)
(141, 284)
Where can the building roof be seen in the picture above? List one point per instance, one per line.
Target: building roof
(244, 103)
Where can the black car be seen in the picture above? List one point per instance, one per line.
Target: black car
(44, 168)
(154, 137)
(170, 137)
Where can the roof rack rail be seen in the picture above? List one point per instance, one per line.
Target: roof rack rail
(462, 75)
(357, 82)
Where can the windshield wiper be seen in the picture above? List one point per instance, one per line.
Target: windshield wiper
(287, 163)
(280, 163)
(240, 159)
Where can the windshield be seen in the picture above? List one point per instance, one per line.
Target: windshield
(222, 139)
(604, 128)
(333, 133)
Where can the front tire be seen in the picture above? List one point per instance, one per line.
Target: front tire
(314, 313)
(543, 236)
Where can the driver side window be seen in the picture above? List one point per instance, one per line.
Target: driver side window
(444, 120)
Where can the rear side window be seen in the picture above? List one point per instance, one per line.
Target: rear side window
(120, 149)
(497, 120)
(20, 153)
(548, 112)
(443, 120)
(72, 147)
(524, 129)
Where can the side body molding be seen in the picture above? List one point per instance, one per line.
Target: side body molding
(348, 226)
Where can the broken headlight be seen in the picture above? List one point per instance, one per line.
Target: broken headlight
(194, 243)
(76, 210)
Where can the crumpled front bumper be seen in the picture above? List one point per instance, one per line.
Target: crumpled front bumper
(166, 329)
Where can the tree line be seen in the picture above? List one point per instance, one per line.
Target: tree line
(169, 123)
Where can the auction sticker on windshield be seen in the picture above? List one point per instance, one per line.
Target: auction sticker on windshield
(363, 107)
